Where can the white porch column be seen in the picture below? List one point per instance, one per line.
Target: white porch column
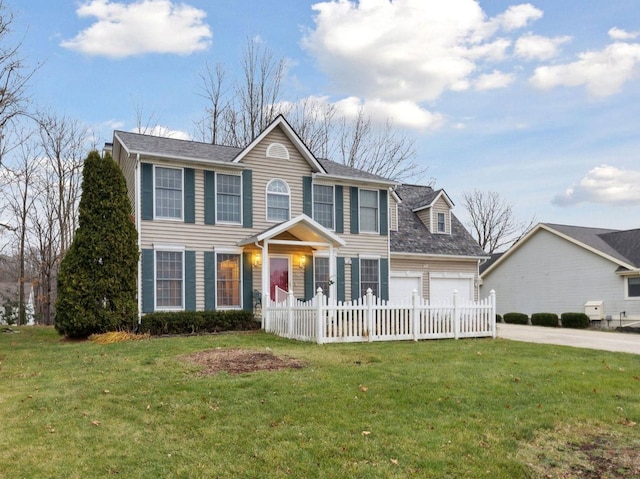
(265, 274)
(333, 287)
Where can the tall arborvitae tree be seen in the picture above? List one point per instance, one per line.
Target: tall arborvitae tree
(97, 280)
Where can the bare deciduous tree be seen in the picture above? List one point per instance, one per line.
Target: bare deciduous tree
(209, 129)
(492, 220)
(64, 143)
(20, 200)
(14, 75)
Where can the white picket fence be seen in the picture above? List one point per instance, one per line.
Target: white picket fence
(372, 319)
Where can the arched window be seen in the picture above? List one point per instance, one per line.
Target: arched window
(278, 200)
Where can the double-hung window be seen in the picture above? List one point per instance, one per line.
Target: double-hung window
(441, 223)
(228, 198)
(633, 288)
(228, 280)
(321, 275)
(168, 192)
(323, 209)
(169, 279)
(369, 211)
(369, 276)
(277, 200)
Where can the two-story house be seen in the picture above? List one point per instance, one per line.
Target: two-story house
(219, 225)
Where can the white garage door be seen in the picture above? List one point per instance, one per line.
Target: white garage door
(441, 289)
(401, 287)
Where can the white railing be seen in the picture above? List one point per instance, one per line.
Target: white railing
(373, 319)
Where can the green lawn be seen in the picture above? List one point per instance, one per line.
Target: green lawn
(441, 409)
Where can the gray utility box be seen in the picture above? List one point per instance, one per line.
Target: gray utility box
(594, 309)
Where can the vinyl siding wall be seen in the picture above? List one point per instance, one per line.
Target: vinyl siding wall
(550, 274)
(200, 237)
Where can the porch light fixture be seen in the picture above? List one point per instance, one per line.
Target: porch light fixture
(257, 259)
(303, 261)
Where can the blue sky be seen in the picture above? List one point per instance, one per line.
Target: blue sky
(538, 101)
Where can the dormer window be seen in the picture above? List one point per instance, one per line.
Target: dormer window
(442, 228)
(278, 200)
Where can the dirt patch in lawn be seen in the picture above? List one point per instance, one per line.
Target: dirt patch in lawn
(236, 361)
(586, 453)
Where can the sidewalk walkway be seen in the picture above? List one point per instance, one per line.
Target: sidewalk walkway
(579, 338)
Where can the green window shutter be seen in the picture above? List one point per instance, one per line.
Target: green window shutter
(307, 194)
(355, 278)
(309, 286)
(340, 276)
(209, 280)
(247, 282)
(209, 198)
(384, 213)
(339, 205)
(148, 287)
(190, 280)
(147, 191)
(247, 199)
(355, 213)
(189, 195)
(384, 279)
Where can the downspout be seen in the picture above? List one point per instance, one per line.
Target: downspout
(262, 299)
(136, 188)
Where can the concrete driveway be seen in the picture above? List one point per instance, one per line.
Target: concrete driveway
(579, 338)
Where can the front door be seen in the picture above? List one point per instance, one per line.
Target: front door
(279, 278)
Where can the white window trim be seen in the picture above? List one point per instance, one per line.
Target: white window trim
(626, 289)
(266, 199)
(229, 250)
(313, 205)
(368, 257)
(360, 210)
(168, 218)
(215, 187)
(167, 248)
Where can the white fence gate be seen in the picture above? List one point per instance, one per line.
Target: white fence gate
(373, 319)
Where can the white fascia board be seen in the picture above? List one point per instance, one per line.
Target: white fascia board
(354, 179)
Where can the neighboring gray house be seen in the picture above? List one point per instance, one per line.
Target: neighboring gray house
(560, 268)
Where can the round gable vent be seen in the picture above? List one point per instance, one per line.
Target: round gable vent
(277, 150)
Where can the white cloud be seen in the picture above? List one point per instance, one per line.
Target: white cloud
(494, 80)
(519, 16)
(602, 72)
(164, 131)
(604, 184)
(536, 47)
(408, 50)
(145, 26)
(619, 34)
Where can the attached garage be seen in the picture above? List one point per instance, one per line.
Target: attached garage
(403, 284)
(442, 286)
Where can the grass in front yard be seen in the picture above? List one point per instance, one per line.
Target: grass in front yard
(467, 408)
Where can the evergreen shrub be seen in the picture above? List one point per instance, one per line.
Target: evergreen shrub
(515, 318)
(545, 319)
(575, 320)
(197, 322)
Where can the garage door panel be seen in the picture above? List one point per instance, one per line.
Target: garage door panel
(441, 289)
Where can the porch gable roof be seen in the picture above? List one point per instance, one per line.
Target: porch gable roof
(302, 227)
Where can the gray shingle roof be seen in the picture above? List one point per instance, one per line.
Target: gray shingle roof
(338, 169)
(172, 147)
(414, 237)
(621, 245)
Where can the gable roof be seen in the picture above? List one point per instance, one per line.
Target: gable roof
(302, 227)
(619, 247)
(195, 151)
(293, 138)
(414, 237)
